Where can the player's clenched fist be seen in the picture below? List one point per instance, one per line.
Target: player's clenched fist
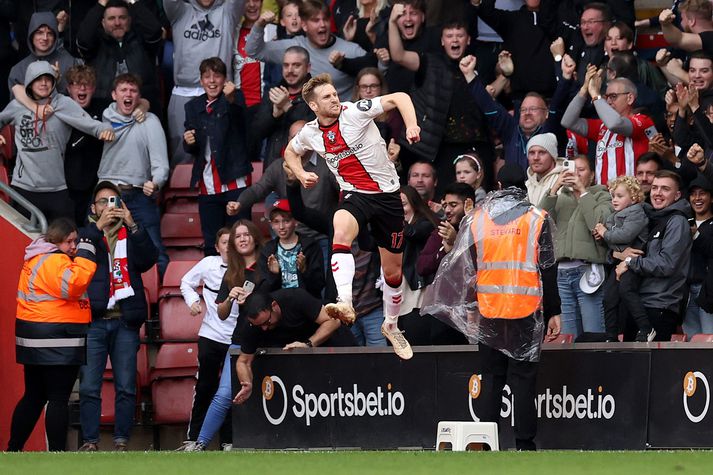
(413, 134)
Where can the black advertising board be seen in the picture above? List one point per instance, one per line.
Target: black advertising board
(680, 414)
(594, 399)
(585, 399)
(365, 400)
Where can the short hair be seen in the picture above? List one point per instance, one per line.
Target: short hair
(701, 9)
(462, 190)
(255, 303)
(624, 30)
(454, 25)
(624, 65)
(221, 231)
(298, 50)
(672, 175)
(434, 172)
(627, 84)
(650, 157)
(315, 82)
(602, 7)
(59, 229)
(632, 187)
(419, 5)
(310, 8)
(536, 95)
(699, 54)
(213, 64)
(116, 4)
(81, 73)
(126, 78)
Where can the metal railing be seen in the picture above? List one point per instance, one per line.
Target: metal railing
(37, 222)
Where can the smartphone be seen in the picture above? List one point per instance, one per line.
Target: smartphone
(248, 286)
(441, 215)
(650, 132)
(568, 165)
(114, 202)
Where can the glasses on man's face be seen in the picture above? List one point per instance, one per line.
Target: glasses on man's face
(366, 87)
(102, 201)
(264, 325)
(612, 96)
(531, 110)
(590, 22)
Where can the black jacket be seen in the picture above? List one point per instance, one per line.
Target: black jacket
(226, 126)
(141, 255)
(702, 264)
(138, 49)
(312, 280)
(529, 44)
(415, 237)
(276, 129)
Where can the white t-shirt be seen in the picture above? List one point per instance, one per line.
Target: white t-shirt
(353, 148)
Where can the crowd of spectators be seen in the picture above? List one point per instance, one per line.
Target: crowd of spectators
(615, 144)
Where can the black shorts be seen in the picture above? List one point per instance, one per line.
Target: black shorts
(385, 214)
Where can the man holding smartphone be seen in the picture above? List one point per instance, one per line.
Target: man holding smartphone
(116, 293)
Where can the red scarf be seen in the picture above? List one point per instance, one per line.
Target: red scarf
(120, 282)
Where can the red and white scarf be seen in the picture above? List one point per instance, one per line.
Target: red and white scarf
(120, 282)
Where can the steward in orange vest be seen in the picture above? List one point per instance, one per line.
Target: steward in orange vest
(53, 311)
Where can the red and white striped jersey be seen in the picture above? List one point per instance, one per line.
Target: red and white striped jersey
(210, 183)
(616, 154)
(353, 148)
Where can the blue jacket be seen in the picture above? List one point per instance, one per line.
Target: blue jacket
(508, 126)
(226, 127)
(141, 254)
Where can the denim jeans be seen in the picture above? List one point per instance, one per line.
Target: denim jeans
(367, 328)
(221, 403)
(580, 312)
(696, 320)
(112, 338)
(145, 212)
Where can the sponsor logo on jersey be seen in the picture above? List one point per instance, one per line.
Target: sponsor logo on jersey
(364, 105)
(202, 30)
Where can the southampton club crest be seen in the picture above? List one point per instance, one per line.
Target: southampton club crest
(331, 137)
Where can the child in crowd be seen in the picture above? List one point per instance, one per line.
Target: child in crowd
(290, 260)
(469, 170)
(215, 334)
(627, 227)
(216, 136)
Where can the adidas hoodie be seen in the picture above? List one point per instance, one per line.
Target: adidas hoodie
(41, 143)
(200, 33)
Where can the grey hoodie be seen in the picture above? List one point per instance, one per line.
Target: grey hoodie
(200, 33)
(137, 154)
(56, 55)
(41, 144)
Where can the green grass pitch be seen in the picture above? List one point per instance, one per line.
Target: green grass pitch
(360, 463)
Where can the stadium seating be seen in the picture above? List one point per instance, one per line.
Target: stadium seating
(179, 185)
(150, 279)
(181, 230)
(175, 319)
(173, 382)
(260, 220)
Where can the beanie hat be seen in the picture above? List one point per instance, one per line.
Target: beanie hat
(547, 141)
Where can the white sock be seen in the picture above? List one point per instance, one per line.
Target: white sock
(343, 272)
(392, 303)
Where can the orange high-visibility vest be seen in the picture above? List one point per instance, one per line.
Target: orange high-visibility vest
(52, 289)
(508, 279)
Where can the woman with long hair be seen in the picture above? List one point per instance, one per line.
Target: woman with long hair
(419, 223)
(53, 317)
(577, 205)
(241, 278)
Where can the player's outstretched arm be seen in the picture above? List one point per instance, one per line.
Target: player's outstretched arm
(294, 161)
(402, 102)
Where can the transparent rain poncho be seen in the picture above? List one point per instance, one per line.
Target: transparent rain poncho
(452, 297)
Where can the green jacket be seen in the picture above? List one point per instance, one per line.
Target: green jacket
(575, 221)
